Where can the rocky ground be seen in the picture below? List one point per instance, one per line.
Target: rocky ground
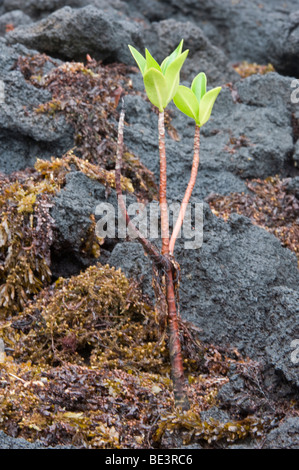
(80, 344)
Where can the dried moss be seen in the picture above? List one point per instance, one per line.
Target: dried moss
(80, 406)
(57, 169)
(193, 428)
(90, 364)
(101, 407)
(97, 318)
(25, 239)
(26, 226)
(246, 69)
(88, 96)
(269, 205)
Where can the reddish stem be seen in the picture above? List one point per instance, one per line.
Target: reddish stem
(163, 186)
(186, 198)
(150, 249)
(175, 352)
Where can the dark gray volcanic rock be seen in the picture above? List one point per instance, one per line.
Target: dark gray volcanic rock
(253, 31)
(72, 209)
(38, 8)
(161, 37)
(8, 442)
(153, 10)
(142, 10)
(256, 32)
(72, 33)
(105, 30)
(234, 289)
(240, 288)
(134, 263)
(285, 436)
(73, 206)
(283, 329)
(14, 18)
(41, 8)
(293, 186)
(24, 134)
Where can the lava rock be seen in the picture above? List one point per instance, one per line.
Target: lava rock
(215, 414)
(296, 154)
(24, 134)
(130, 256)
(255, 32)
(231, 288)
(73, 207)
(149, 11)
(283, 330)
(293, 186)
(8, 442)
(39, 8)
(12, 19)
(162, 36)
(73, 33)
(285, 436)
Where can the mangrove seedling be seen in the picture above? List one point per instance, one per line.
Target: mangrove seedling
(162, 85)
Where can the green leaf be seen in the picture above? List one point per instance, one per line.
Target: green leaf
(140, 60)
(151, 63)
(186, 101)
(172, 75)
(169, 59)
(206, 105)
(156, 88)
(199, 85)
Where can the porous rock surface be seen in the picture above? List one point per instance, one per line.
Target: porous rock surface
(240, 288)
(24, 134)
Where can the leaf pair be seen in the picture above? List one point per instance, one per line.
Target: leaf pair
(196, 102)
(161, 82)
